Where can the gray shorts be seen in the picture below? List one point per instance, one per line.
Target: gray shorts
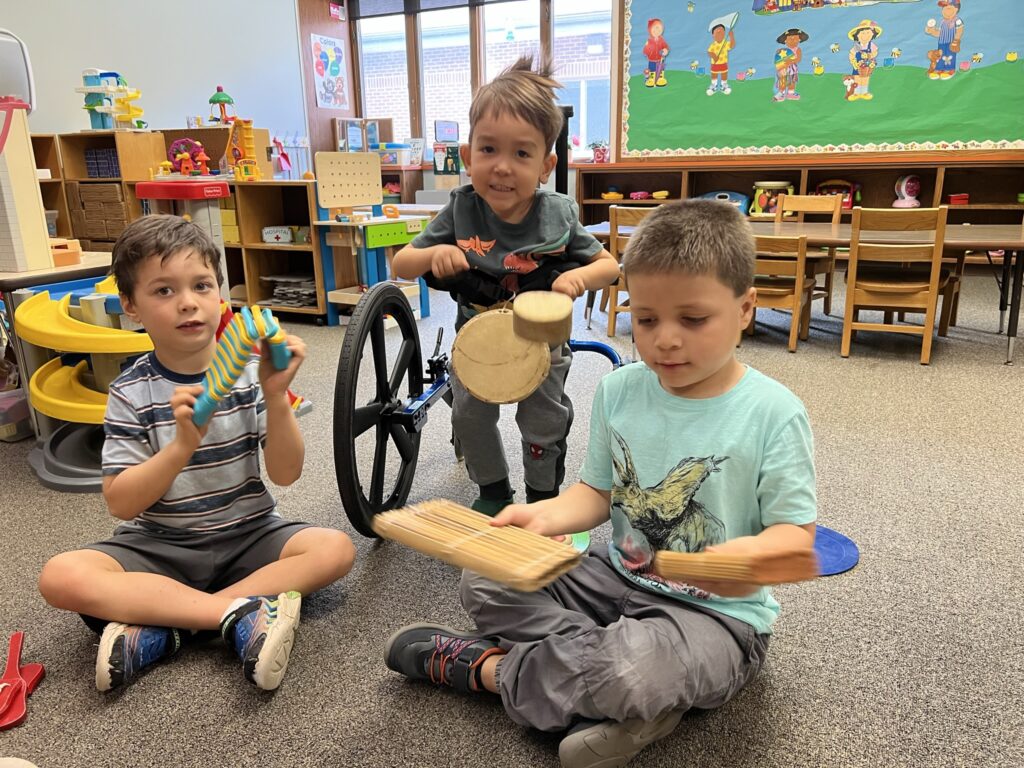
(208, 562)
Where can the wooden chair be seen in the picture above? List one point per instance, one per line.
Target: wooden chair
(896, 278)
(782, 282)
(621, 216)
(826, 204)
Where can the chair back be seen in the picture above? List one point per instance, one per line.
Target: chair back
(780, 256)
(801, 204)
(869, 221)
(624, 216)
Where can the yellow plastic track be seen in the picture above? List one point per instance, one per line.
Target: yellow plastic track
(57, 391)
(47, 323)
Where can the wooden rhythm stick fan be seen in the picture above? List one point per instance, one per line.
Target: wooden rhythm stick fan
(465, 538)
(766, 568)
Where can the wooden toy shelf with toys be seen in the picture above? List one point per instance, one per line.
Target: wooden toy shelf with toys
(51, 183)
(992, 181)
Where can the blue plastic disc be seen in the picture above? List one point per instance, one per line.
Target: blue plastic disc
(836, 553)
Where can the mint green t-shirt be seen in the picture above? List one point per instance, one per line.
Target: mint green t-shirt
(687, 473)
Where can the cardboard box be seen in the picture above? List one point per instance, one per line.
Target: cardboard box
(101, 192)
(115, 211)
(230, 234)
(228, 217)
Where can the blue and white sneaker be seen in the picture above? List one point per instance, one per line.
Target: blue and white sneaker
(261, 632)
(126, 649)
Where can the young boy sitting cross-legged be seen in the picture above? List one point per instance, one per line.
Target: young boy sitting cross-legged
(202, 546)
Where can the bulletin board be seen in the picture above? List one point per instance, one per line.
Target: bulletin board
(769, 77)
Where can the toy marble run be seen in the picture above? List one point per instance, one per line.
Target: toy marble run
(108, 99)
(234, 348)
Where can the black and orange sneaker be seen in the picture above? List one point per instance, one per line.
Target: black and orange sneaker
(439, 655)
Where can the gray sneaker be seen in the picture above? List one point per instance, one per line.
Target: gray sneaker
(610, 744)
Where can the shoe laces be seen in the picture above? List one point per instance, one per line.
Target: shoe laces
(446, 651)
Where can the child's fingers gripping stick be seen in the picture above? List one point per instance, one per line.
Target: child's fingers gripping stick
(277, 340)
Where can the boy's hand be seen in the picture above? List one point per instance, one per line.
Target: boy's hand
(272, 381)
(183, 403)
(572, 285)
(448, 261)
(741, 545)
(529, 517)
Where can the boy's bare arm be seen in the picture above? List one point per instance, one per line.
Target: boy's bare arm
(598, 274)
(137, 488)
(580, 508)
(781, 537)
(285, 449)
(443, 260)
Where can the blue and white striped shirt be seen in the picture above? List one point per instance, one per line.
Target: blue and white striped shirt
(221, 485)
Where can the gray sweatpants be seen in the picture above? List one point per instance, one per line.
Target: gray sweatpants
(543, 418)
(593, 646)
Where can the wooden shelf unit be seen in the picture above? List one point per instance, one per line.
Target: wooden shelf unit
(993, 184)
(278, 203)
(46, 150)
(408, 177)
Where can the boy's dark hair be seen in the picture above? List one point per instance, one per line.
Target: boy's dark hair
(700, 237)
(160, 235)
(717, 26)
(524, 93)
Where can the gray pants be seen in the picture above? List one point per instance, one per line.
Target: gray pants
(543, 418)
(593, 646)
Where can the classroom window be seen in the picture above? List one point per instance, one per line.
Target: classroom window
(444, 51)
(385, 71)
(511, 30)
(582, 43)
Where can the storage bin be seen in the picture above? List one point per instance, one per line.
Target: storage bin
(51, 223)
(14, 421)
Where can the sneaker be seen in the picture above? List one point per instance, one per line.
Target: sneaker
(867, 96)
(934, 75)
(710, 91)
(727, 90)
(490, 507)
(438, 654)
(126, 649)
(611, 744)
(793, 96)
(649, 82)
(261, 632)
(779, 97)
(661, 81)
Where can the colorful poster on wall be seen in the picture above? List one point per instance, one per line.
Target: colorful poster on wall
(330, 76)
(759, 77)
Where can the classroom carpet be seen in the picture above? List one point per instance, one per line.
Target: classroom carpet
(912, 658)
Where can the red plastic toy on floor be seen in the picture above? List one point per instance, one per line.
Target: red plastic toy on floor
(16, 684)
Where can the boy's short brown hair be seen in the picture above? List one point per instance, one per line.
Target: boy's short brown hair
(525, 93)
(160, 235)
(701, 237)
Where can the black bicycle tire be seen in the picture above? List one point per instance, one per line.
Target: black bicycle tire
(380, 300)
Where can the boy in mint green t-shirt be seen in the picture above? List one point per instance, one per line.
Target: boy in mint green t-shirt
(689, 451)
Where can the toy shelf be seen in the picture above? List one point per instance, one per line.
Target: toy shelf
(47, 154)
(408, 177)
(993, 184)
(137, 152)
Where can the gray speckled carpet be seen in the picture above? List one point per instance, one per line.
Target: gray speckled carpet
(914, 658)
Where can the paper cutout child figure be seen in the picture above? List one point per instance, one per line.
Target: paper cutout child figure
(787, 64)
(863, 56)
(718, 52)
(655, 50)
(950, 32)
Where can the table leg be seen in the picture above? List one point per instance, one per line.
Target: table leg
(589, 310)
(1011, 329)
(1004, 289)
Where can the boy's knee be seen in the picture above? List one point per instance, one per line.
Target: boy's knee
(64, 581)
(339, 553)
(475, 591)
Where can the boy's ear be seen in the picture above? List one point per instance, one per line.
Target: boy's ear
(747, 303)
(129, 307)
(549, 165)
(464, 157)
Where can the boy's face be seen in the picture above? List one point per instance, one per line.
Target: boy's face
(686, 328)
(657, 29)
(177, 301)
(718, 33)
(506, 160)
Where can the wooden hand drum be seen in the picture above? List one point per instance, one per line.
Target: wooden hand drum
(502, 356)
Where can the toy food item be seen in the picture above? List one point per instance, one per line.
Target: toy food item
(661, 194)
(611, 195)
(639, 195)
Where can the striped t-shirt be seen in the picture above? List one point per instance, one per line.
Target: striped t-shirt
(221, 485)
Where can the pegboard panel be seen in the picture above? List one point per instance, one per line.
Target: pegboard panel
(347, 179)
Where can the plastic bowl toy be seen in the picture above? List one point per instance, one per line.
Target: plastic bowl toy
(639, 195)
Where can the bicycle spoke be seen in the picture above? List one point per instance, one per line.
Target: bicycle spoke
(364, 418)
(403, 442)
(380, 359)
(401, 368)
(379, 458)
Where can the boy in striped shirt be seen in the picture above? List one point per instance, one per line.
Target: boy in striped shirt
(201, 545)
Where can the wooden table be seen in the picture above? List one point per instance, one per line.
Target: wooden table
(959, 239)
